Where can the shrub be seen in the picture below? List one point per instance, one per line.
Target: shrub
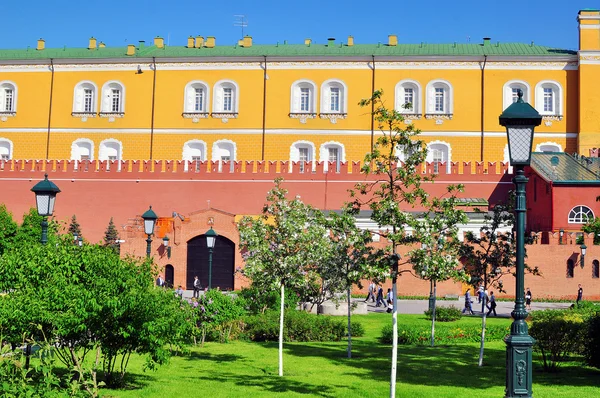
(444, 334)
(592, 342)
(588, 308)
(259, 301)
(558, 333)
(445, 314)
(298, 326)
(219, 315)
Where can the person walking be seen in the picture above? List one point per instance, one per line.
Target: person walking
(197, 287)
(492, 304)
(468, 303)
(528, 299)
(179, 292)
(160, 282)
(390, 304)
(480, 293)
(371, 294)
(579, 294)
(380, 300)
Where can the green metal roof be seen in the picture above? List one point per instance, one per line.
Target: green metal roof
(562, 168)
(292, 50)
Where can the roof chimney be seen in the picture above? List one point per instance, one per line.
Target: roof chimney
(307, 42)
(589, 24)
(247, 41)
(130, 49)
(102, 45)
(210, 42)
(487, 41)
(350, 41)
(392, 40)
(331, 42)
(92, 45)
(190, 42)
(159, 42)
(41, 44)
(199, 42)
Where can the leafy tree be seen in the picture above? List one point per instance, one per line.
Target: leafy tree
(30, 229)
(592, 226)
(437, 259)
(490, 255)
(74, 228)
(8, 228)
(111, 236)
(395, 185)
(280, 246)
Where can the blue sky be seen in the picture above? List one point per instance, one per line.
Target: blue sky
(71, 23)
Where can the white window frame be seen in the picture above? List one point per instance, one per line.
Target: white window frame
(79, 96)
(189, 97)
(557, 97)
(103, 148)
(326, 96)
(507, 94)
(577, 211)
(75, 148)
(538, 147)
(295, 97)
(7, 84)
(448, 97)
(218, 105)
(324, 154)
(231, 146)
(6, 143)
(400, 90)
(188, 153)
(295, 153)
(107, 97)
(444, 147)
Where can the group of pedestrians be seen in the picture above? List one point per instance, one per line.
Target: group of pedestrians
(489, 300)
(375, 294)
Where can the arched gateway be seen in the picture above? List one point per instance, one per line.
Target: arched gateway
(223, 261)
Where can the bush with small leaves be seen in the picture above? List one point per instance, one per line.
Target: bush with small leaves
(445, 314)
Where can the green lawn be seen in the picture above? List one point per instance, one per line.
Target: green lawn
(243, 369)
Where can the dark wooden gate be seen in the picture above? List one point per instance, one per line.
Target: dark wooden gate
(222, 262)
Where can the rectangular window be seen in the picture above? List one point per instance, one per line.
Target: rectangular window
(335, 99)
(333, 154)
(304, 100)
(439, 100)
(515, 95)
(88, 100)
(438, 158)
(112, 157)
(548, 100)
(227, 99)
(409, 98)
(225, 158)
(4, 156)
(303, 157)
(199, 100)
(197, 160)
(84, 158)
(8, 100)
(115, 100)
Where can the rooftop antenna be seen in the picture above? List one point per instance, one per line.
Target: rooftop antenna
(241, 21)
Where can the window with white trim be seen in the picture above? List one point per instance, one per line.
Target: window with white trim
(84, 98)
(196, 97)
(224, 151)
(82, 149)
(548, 98)
(113, 98)
(332, 152)
(194, 151)
(5, 149)
(111, 150)
(303, 97)
(510, 92)
(8, 97)
(226, 97)
(408, 97)
(580, 215)
(302, 152)
(333, 97)
(439, 98)
(548, 147)
(438, 153)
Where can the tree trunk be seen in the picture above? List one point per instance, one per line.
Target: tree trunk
(281, 331)
(433, 315)
(482, 344)
(394, 336)
(349, 326)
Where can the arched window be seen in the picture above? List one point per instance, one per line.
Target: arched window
(580, 215)
(6, 149)
(8, 98)
(408, 97)
(510, 90)
(548, 98)
(226, 97)
(84, 98)
(570, 268)
(113, 98)
(439, 152)
(303, 99)
(595, 269)
(302, 151)
(224, 151)
(334, 97)
(439, 98)
(548, 147)
(332, 152)
(111, 150)
(82, 149)
(194, 151)
(196, 97)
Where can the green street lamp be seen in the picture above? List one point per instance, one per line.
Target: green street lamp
(211, 238)
(166, 245)
(583, 248)
(45, 195)
(150, 218)
(80, 241)
(520, 120)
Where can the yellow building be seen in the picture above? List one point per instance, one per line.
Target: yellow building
(284, 101)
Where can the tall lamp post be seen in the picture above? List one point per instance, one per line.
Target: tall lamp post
(45, 195)
(150, 218)
(520, 119)
(211, 238)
